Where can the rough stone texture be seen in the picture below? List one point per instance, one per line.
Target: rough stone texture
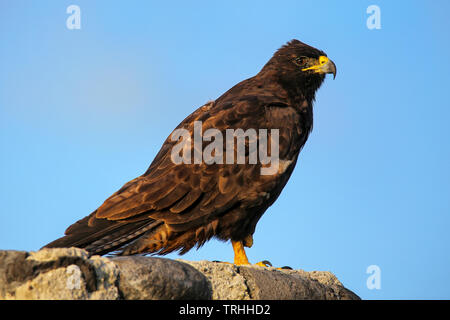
(226, 282)
(72, 274)
(258, 283)
(144, 278)
(56, 274)
(294, 285)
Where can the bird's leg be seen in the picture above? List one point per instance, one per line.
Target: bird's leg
(240, 258)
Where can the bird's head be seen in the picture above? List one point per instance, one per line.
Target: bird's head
(298, 64)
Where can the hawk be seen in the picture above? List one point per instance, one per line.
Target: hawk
(176, 205)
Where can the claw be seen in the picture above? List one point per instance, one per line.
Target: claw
(264, 263)
(285, 268)
(240, 257)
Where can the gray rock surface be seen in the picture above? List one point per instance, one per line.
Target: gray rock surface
(143, 278)
(57, 274)
(258, 283)
(72, 274)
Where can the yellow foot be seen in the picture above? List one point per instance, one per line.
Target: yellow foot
(267, 264)
(264, 263)
(240, 257)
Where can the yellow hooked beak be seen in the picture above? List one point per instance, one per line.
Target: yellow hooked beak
(323, 65)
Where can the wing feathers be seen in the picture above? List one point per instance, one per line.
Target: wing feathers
(188, 199)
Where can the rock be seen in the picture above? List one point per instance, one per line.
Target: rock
(61, 274)
(226, 282)
(258, 283)
(72, 274)
(11, 275)
(145, 278)
(294, 285)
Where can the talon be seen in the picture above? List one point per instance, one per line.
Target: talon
(285, 268)
(240, 257)
(264, 263)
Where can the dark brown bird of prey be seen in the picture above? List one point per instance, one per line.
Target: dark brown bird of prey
(214, 191)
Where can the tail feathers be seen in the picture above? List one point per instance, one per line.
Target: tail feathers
(100, 236)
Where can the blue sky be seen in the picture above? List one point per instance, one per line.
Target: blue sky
(84, 111)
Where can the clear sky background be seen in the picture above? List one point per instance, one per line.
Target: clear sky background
(84, 111)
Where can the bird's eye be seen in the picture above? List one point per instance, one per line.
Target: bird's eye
(300, 61)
